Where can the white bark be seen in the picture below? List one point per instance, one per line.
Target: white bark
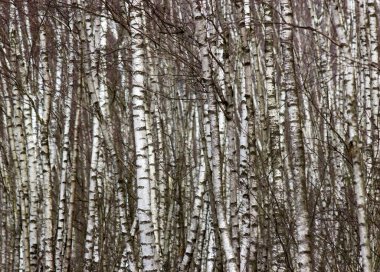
(61, 226)
(373, 98)
(354, 144)
(20, 143)
(215, 141)
(46, 89)
(91, 231)
(66, 267)
(296, 145)
(274, 150)
(92, 79)
(152, 176)
(146, 236)
(196, 212)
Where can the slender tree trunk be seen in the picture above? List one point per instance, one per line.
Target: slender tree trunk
(354, 145)
(296, 145)
(69, 249)
(46, 89)
(62, 224)
(147, 251)
(196, 213)
(215, 140)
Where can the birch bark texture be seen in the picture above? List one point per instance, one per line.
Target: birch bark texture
(185, 135)
(295, 144)
(144, 216)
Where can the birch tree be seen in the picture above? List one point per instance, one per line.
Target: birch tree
(354, 144)
(296, 146)
(192, 136)
(141, 143)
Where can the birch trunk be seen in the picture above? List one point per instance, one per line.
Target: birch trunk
(46, 90)
(61, 225)
(66, 266)
(196, 213)
(296, 145)
(146, 235)
(215, 140)
(354, 144)
(374, 96)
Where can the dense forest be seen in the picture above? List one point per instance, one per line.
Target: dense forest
(190, 135)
